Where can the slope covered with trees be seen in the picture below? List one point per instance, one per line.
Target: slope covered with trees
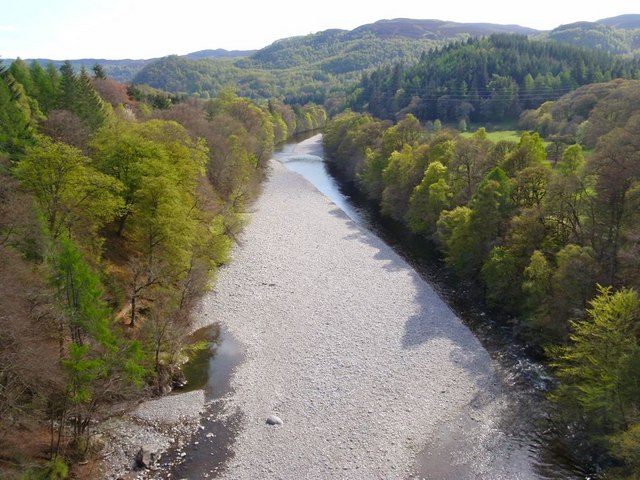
(313, 67)
(549, 234)
(599, 36)
(488, 79)
(114, 218)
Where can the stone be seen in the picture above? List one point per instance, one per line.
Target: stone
(274, 420)
(146, 457)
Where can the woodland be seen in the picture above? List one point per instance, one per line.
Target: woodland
(120, 201)
(117, 207)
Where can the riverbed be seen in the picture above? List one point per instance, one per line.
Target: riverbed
(357, 355)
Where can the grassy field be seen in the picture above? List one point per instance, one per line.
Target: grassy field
(512, 135)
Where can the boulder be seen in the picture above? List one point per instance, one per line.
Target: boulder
(274, 420)
(146, 457)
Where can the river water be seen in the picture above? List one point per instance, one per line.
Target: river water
(542, 446)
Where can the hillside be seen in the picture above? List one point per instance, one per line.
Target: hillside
(487, 79)
(629, 21)
(124, 70)
(305, 68)
(603, 35)
(435, 29)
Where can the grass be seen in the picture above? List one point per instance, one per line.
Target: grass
(496, 136)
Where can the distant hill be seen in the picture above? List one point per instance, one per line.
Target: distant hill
(630, 21)
(596, 35)
(435, 29)
(219, 53)
(486, 79)
(304, 68)
(122, 70)
(617, 35)
(125, 70)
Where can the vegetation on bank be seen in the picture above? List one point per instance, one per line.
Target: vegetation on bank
(114, 218)
(550, 237)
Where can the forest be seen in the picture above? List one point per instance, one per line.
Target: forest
(117, 207)
(490, 79)
(546, 227)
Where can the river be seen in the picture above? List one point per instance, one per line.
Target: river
(535, 447)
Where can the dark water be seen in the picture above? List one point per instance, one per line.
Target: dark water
(533, 439)
(209, 369)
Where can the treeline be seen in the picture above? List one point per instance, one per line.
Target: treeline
(550, 236)
(114, 218)
(489, 79)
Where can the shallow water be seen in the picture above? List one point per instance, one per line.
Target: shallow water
(210, 369)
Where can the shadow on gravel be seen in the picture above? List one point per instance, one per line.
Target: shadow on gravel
(434, 319)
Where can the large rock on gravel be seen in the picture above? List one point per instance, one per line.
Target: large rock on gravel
(146, 457)
(274, 420)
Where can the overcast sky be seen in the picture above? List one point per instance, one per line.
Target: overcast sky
(115, 29)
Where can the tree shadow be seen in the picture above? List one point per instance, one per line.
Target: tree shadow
(434, 320)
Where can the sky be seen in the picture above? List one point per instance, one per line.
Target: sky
(117, 29)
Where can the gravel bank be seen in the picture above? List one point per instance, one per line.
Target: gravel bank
(157, 424)
(358, 356)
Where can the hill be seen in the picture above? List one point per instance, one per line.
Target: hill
(435, 29)
(305, 68)
(605, 35)
(219, 53)
(125, 70)
(487, 79)
(629, 21)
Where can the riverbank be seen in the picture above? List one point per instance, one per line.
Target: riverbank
(358, 356)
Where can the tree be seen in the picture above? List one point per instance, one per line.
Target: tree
(402, 173)
(530, 152)
(73, 195)
(599, 368)
(160, 167)
(461, 247)
(15, 115)
(502, 278)
(428, 199)
(96, 359)
(468, 165)
(616, 163)
(573, 283)
(98, 72)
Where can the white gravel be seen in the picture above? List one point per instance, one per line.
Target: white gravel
(156, 424)
(358, 356)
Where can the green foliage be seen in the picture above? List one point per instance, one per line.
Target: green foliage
(15, 115)
(602, 356)
(537, 282)
(401, 175)
(626, 446)
(429, 199)
(298, 70)
(486, 79)
(501, 275)
(461, 246)
(73, 195)
(80, 292)
(595, 35)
